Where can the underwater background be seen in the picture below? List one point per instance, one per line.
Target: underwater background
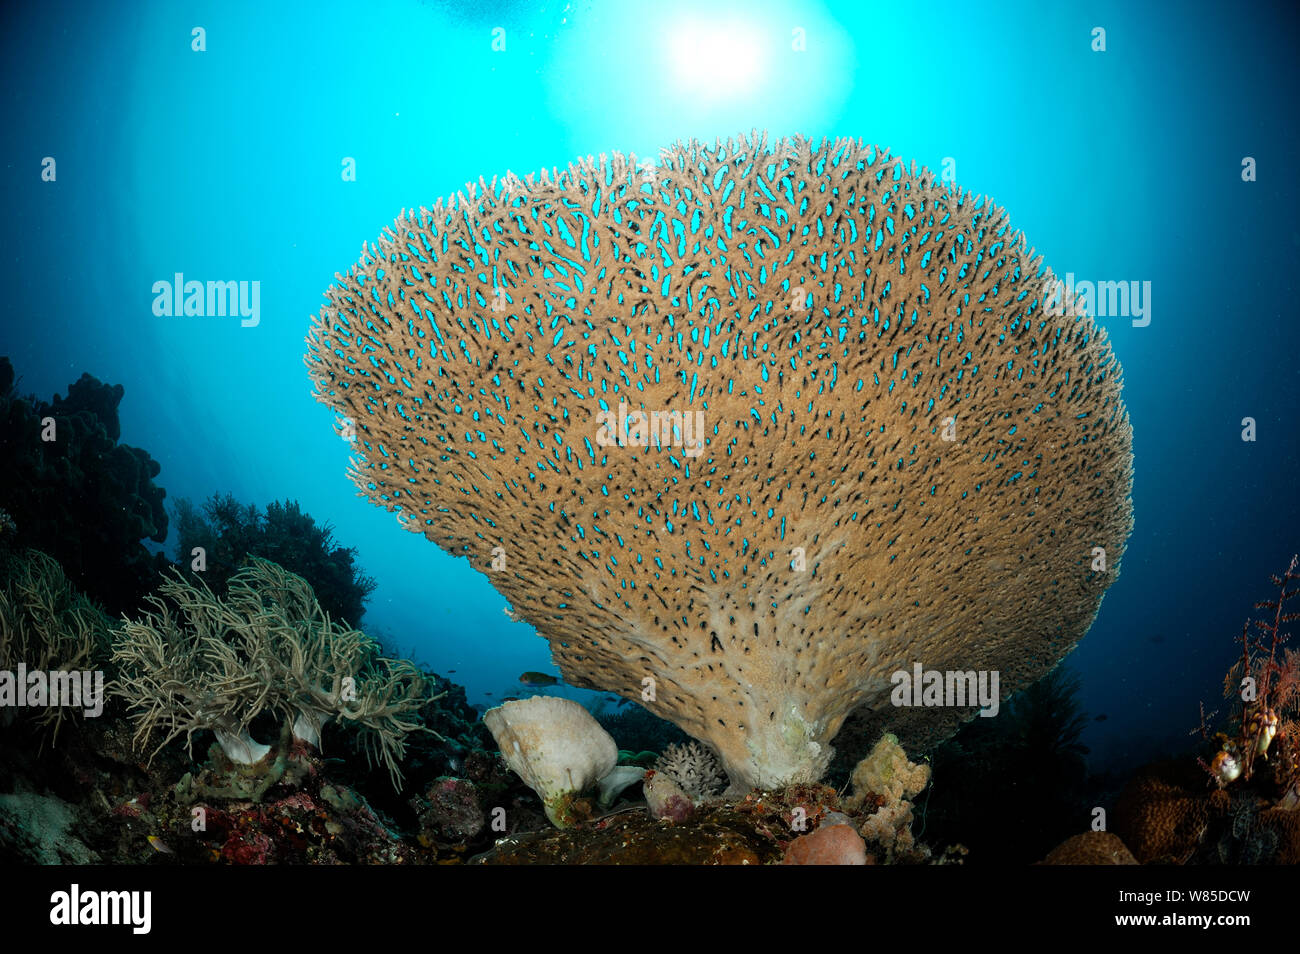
(1122, 165)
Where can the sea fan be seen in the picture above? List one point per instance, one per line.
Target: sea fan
(1286, 692)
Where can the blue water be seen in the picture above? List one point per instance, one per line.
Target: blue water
(226, 164)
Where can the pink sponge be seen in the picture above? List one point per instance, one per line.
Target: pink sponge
(833, 845)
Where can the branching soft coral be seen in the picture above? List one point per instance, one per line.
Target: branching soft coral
(198, 661)
(48, 625)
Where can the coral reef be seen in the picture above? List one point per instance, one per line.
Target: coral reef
(41, 829)
(1170, 814)
(763, 424)
(1265, 686)
(198, 661)
(1251, 813)
(719, 837)
(92, 799)
(451, 811)
(556, 747)
(694, 769)
(230, 533)
(47, 625)
(298, 818)
(77, 494)
(803, 824)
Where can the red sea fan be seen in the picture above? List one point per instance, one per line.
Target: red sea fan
(1286, 692)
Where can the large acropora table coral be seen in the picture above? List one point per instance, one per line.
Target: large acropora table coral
(905, 455)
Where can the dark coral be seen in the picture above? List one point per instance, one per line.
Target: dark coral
(451, 812)
(1091, 848)
(230, 532)
(638, 730)
(1284, 825)
(83, 498)
(1244, 840)
(455, 744)
(721, 836)
(1029, 756)
(1167, 814)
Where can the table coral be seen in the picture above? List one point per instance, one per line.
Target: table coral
(756, 426)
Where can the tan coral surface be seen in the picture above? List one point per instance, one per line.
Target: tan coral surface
(832, 316)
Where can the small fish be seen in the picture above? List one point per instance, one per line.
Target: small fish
(1100, 718)
(158, 845)
(450, 671)
(624, 702)
(537, 679)
(509, 698)
(487, 693)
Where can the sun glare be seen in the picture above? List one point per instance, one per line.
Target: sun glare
(716, 59)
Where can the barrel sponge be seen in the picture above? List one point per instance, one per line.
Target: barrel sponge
(907, 453)
(555, 746)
